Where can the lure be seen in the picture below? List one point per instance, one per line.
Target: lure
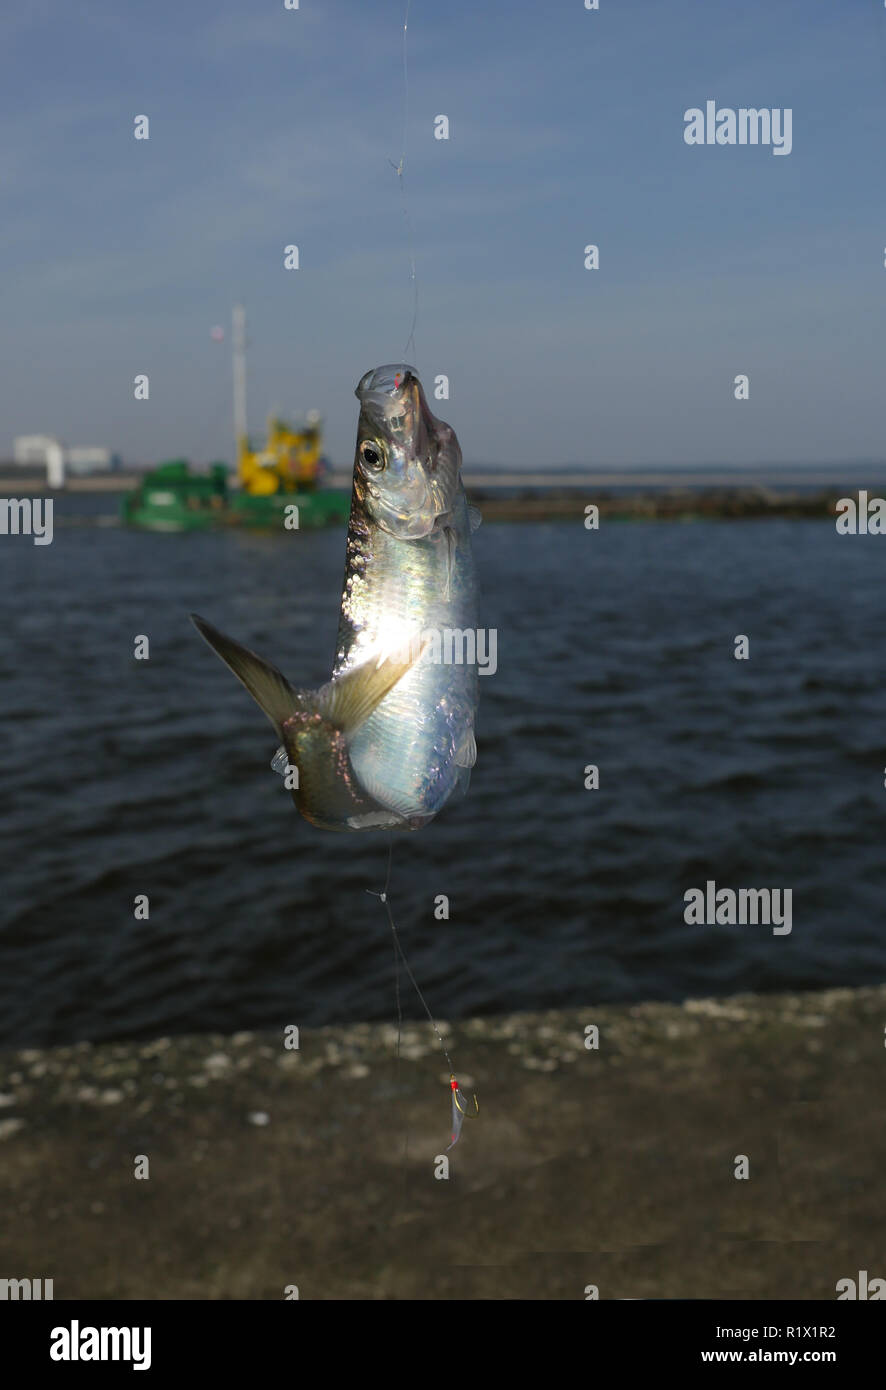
(460, 1111)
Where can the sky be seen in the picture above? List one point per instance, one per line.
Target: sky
(271, 127)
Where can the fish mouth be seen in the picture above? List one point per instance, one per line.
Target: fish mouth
(385, 381)
(412, 493)
(391, 401)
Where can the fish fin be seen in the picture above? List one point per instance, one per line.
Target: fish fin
(444, 475)
(451, 544)
(280, 761)
(475, 516)
(375, 820)
(466, 753)
(267, 686)
(349, 699)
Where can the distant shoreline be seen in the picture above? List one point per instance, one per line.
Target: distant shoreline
(645, 496)
(777, 478)
(671, 505)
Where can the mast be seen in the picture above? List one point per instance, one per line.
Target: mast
(238, 339)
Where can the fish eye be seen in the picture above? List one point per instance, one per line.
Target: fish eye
(372, 456)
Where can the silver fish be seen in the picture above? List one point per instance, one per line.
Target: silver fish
(390, 738)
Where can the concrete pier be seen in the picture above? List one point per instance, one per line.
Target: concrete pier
(613, 1167)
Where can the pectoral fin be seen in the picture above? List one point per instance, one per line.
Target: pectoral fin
(466, 753)
(348, 701)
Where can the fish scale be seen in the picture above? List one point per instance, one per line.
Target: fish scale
(389, 740)
(405, 754)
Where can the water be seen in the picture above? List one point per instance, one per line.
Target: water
(125, 777)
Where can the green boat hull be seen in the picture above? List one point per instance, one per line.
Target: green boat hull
(321, 508)
(172, 498)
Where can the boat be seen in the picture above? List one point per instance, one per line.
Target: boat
(280, 479)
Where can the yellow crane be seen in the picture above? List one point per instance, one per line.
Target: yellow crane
(289, 460)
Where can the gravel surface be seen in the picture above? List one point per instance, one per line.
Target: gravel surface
(320, 1167)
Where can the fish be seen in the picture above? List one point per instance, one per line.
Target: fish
(390, 739)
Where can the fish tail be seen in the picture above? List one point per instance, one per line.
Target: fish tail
(345, 703)
(330, 793)
(268, 687)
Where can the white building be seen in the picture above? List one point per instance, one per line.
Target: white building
(32, 448)
(90, 460)
(44, 449)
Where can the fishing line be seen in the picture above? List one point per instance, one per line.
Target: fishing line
(459, 1108)
(881, 36)
(384, 898)
(398, 170)
(398, 951)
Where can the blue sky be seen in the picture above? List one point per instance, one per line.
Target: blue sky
(271, 127)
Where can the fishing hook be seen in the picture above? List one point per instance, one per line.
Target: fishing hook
(456, 1092)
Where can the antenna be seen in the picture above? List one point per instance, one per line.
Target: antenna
(398, 170)
(238, 338)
